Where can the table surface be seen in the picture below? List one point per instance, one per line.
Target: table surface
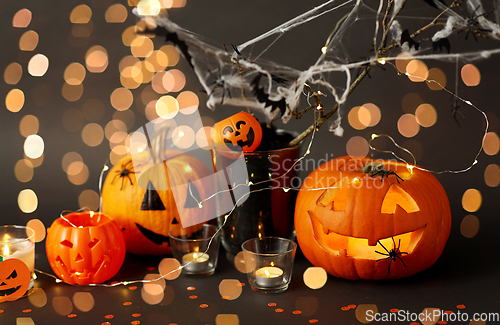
(462, 285)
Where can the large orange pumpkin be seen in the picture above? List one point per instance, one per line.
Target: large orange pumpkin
(364, 219)
(142, 198)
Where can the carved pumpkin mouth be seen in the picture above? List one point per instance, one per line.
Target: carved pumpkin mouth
(357, 247)
(9, 292)
(241, 143)
(86, 273)
(158, 239)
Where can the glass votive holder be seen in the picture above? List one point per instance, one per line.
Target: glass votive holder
(196, 248)
(269, 263)
(18, 242)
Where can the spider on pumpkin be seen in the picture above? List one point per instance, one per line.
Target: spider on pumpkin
(392, 254)
(125, 172)
(377, 169)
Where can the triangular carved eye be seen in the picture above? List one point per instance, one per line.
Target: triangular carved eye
(13, 275)
(397, 196)
(335, 196)
(151, 200)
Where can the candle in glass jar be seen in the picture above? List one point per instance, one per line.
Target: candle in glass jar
(269, 276)
(195, 262)
(22, 249)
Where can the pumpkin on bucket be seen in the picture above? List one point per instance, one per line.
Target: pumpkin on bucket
(364, 219)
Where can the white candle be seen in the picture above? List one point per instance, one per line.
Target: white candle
(20, 248)
(195, 262)
(269, 276)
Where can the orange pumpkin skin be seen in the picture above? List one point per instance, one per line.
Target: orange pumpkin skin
(239, 132)
(90, 248)
(358, 208)
(146, 216)
(15, 279)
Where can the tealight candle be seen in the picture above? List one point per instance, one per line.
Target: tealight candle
(195, 262)
(269, 276)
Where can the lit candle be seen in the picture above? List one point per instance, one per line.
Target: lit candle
(269, 276)
(195, 262)
(20, 248)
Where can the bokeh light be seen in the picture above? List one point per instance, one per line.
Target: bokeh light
(357, 147)
(81, 177)
(13, 73)
(38, 65)
(172, 54)
(81, 14)
(84, 301)
(29, 125)
(169, 268)
(148, 8)
(27, 201)
(432, 316)
(402, 61)
(121, 99)
(70, 158)
(436, 80)
(92, 134)
(28, 41)
(72, 93)
(227, 319)
(470, 75)
(315, 277)
(364, 310)
(230, 289)
(469, 227)
(426, 115)
(142, 47)
(81, 32)
(492, 175)
(152, 290)
(410, 102)
(167, 107)
(158, 60)
(39, 228)
(14, 101)
(408, 126)
(116, 13)
(37, 298)
(203, 137)
(74, 73)
(471, 200)
(188, 102)
(96, 59)
(23, 170)
(22, 18)
(174, 80)
(491, 143)
(353, 118)
(33, 146)
(62, 305)
(157, 83)
(183, 136)
(417, 71)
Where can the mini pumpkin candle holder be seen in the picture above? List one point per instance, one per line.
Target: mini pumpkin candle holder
(197, 249)
(269, 263)
(17, 261)
(85, 247)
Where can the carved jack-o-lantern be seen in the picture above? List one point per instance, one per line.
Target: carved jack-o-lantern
(15, 279)
(140, 197)
(240, 132)
(85, 247)
(372, 220)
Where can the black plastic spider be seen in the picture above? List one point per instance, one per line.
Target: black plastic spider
(125, 172)
(392, 255)
(220, 82)
(471, 23)
(375, 169)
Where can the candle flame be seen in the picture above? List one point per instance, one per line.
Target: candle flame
(6, 251)
(272, 263)
(195, 256)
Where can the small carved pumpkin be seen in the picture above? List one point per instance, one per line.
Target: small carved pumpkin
(15, 279)
(360, 219)
(85, 248)
(143, 199)
(240, 132)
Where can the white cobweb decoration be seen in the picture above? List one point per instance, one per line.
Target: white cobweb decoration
(235, 76)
